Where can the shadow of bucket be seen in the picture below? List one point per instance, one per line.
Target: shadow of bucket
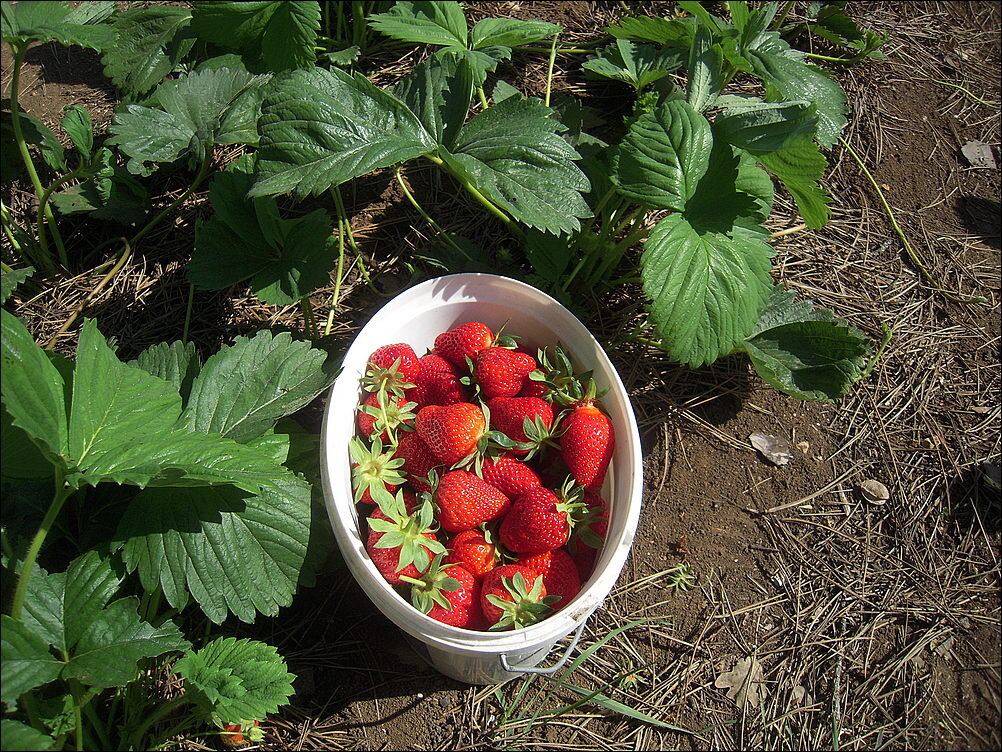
(416, 316)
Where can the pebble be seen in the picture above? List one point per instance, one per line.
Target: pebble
(874, 491)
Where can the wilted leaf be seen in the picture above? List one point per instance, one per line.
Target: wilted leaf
(745, 683)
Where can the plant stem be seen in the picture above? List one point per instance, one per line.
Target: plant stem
(777, 22)
(187, 312)
(483, 97)
(335, 299)
(549, 69)
(22, 146)
(841, 60)
(155, 717)
(63, 492)
(427, 218)
(472, 190)
(309, 320)
(979, 100)
(43, 206)
(345, 226)
(196, 181)
(901, 235)
(880, 350)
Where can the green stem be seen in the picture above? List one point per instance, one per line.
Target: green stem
(901, 235)
(43, 211)
(840, 60)
(94, 721)
(562, 50)
(155, 717)
(22, 146)
(63, 492)
(358, 26)
(187, 313)
(336, 298)
(549, 69)
(979, 100)
(777, 22)
(196, 181)
(309, 320)
(427, 218)
(482, 95)
(880, 350)
(345, 226)
(472, 190)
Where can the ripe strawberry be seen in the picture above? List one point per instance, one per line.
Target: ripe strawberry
(384, 417)
(373, 469)
(525, 420)
(401, 541)
(534, 388)
(590, 526)
(587, 441)
(462, 342)
(437, 382)
(513, 596)
(509, 475)
(538, 521)
(452, 432)
(560, 574)
(418, 460)
(448, 593)
(236, 735)
(501, 372)
(391, 369)
(473, 550)
(465, 500)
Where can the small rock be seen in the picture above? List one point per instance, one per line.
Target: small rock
(443, 702)
(803, 446)
(776, 449)
(874, 491)
(978, 154)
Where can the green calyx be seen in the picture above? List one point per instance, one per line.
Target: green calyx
(406, 531)
(385, 381)
(527, 605)
(431, 587)
(373, 468)
(389, 416)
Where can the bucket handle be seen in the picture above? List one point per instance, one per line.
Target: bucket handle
(551, 669)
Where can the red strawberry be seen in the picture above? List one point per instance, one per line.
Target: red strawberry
(437, 383)
(465, 500)
(401, 542)
(473, 551)
(509, 415)
(587, 441)
(384, 416)
(452, 432)
(236, 735)
(560, 574)
(418, 460)
(391, 369)
(373, 469)
(448, 593)
(590, 526)
(462, 342)
(500, 372)
(513, 596)
(509, 475)
(538, 521)
(536, 389)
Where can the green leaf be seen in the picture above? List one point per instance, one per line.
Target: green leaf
(182, 540)
(438, 91)
(78, 126)
(548, 254)
(177, 363)
(150, 42)
(636, 64)
(102, 643)
(707, 19)
(278, 35)
(706, 71)
(790, 79)
(663, 156)
(110, 193)
(512, 154)
(477, 63)
(236, 679)
(760, 127)
(20, 737)
(806, 352)
(54, 20)
(801, 166)
(441, 23)
(734, 190)
(244, 389)
(286, 259)
(33, 389)
(706, 288)
(37, 134)
(11, 279)
(321, 128)
(27, 661)
(671, 32)
(196, 111)
(20, 459)
(509, 32)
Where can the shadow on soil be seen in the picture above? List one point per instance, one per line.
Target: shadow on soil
(983, 217)
(974, 498)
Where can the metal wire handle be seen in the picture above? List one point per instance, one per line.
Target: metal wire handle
(551, 669)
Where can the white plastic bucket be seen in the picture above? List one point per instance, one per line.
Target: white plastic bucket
(416, 316)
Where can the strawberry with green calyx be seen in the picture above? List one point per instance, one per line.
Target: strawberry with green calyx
(501, 371)
(526, 421)
(448, 593)
(513, 597)
(591, 522)
(465, 500)
(236, 735)
(373, 469)
(587, 440)
(384, 417)
(418, 460)
(452, 432)
(509, 474)
(560, 574)
(475, 550)
(540, 520)
(401, 541)
(555, 379)
(462, 342)
(391, 369)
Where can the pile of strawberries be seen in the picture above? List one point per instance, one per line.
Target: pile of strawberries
(479, 467)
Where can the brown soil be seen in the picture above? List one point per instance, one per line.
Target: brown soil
(876, 626)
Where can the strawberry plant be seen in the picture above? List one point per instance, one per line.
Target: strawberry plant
(165, 471)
